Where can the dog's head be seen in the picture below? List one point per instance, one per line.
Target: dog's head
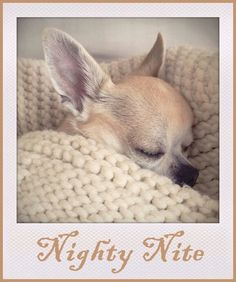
(141, 116)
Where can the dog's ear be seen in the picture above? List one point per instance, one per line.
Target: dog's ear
(74, 73)
(153, 61)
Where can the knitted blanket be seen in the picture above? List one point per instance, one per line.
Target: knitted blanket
(64, 178)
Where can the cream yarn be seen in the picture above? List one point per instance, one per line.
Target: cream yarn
(65, 178)
(70, 178)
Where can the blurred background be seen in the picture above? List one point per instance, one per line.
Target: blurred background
(112, 38)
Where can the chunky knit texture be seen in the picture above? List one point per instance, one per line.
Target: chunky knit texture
(64, 178)
(71, 178)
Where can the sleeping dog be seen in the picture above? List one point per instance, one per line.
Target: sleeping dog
(141, 116)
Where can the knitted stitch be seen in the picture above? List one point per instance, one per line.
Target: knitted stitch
(64, 178)
(70, 178)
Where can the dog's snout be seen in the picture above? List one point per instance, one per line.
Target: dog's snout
(187, 174)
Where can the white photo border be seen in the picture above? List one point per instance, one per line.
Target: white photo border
(20, 248)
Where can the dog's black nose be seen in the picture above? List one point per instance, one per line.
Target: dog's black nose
(186, 174)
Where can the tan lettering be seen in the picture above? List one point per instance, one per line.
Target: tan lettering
(54, 244)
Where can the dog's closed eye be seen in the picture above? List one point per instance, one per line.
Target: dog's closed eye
(153, 155)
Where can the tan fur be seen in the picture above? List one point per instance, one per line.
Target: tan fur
(151, 102)
(141, 116)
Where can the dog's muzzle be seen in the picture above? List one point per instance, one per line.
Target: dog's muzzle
(186, 174)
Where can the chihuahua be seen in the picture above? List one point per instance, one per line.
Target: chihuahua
(140, 116)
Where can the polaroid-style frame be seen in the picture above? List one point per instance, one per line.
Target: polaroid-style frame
(212, 244)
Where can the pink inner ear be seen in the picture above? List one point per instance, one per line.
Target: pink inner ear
(71, 70)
